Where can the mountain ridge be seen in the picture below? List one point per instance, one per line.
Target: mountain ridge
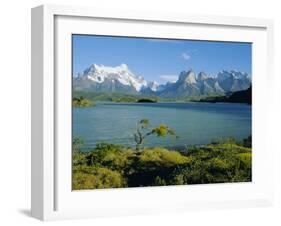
(100, 78)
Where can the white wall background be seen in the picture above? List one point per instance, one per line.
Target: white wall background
(15, 112)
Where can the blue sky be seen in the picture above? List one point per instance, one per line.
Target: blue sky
(160, 60)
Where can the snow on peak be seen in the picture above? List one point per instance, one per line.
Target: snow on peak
(100, 73)
(153, 86)
(232, 74)
(124, 66)
(238, 74)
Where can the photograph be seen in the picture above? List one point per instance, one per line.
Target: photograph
(159, 112)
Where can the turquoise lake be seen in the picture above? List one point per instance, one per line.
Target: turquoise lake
(194, 123)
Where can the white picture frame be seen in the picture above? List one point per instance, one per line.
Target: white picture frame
(52, 197)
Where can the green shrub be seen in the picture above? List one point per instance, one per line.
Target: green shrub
(110, 166)
(159, 181)
(223, 162)
(112, 156)
(163, 157)
(100, 178)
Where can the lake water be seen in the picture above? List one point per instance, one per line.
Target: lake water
(194, 123)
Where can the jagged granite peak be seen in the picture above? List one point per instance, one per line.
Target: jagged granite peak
(222, 75)
(233, 80)
(202, 76)
(188, 77)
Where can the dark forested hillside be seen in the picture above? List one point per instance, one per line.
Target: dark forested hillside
(244, 96)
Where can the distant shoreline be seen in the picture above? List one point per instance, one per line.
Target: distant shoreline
(243, 96)
(160, 102)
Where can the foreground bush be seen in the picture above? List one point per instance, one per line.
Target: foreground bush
(114, 166)
(98, 178)
(162, 157)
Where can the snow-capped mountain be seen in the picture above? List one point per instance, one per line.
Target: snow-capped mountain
(188, 84)
(100, 78)
(233, 80)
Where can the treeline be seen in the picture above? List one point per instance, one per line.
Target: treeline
(115, 166)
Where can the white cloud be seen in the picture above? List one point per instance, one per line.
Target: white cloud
(169, 78)
(186, 56)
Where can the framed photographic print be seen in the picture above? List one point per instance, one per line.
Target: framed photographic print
(137, 112)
